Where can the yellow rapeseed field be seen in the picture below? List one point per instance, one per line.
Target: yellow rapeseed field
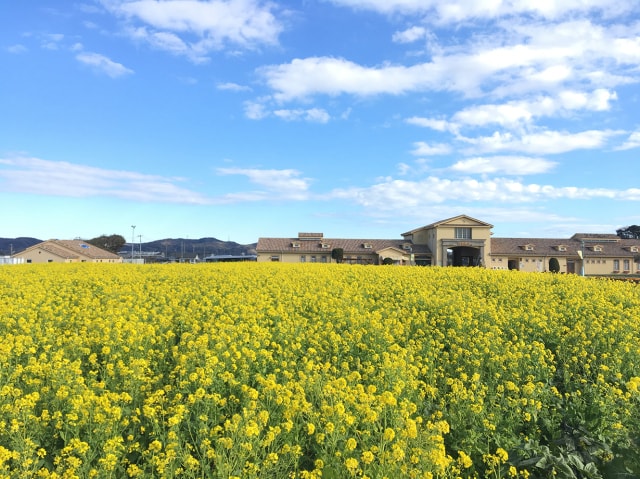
(259, 370)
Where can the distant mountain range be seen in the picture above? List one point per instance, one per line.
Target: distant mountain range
(10, 246)
(170, 248)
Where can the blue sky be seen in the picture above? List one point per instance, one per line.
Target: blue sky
(239, 119)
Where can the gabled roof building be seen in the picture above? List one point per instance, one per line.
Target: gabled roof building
(464, 241)
(67, 251)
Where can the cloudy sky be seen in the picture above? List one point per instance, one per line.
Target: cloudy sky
(356, 118)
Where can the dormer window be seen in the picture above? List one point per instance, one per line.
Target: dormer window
(367, 245)
(597, 248)
(561, 247)
(325, 245)
(295, 244)
(633, 249)
(527, 247)
(406, 247)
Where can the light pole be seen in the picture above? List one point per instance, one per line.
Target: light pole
(582, 256)
(140, 238)
(133, 239)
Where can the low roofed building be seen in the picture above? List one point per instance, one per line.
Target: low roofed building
(67, 251)
(464, 241)
(315, 248)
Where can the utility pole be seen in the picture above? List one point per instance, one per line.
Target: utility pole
(133, 239)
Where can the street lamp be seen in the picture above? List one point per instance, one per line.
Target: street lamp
(140, 238)
(133, 239)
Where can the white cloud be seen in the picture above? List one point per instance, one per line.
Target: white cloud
(393, 195)
(334, 76)
(51, 41)
(316, 115)
(230, 86)
(195, 28)
(59, 178)
(434, 124)
(422, 148)
(410, 35)
(258, 110)
(276, 184)
(508, 165)
(167, 41)
(18, 48)
(103, 64)
(461, 10)
(544, 142)
(632, 142)
(514, 113)
(517, 59)
(255, 110)
(510, 114)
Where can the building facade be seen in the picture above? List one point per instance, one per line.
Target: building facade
(67, 251)
(464, 241)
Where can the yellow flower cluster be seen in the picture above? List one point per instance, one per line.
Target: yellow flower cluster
(259, 370)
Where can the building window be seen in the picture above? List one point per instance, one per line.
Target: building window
(303, 259)
(275, 258)
(616, 265)
(313, 259)
(626, 264)
(323, 259)
(463, 233)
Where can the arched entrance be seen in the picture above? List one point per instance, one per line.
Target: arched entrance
(465, 256)
(462, 253)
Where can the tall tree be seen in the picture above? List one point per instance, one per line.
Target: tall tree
(629, 232)
(113, 243)
(337, 254)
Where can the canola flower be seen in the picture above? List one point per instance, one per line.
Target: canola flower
(309, 371)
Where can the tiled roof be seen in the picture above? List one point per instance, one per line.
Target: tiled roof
(549, 247)
(349, 246)
(595, 237)
(85, 249)
(55, 249)
(72, 249)
(450, 220)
